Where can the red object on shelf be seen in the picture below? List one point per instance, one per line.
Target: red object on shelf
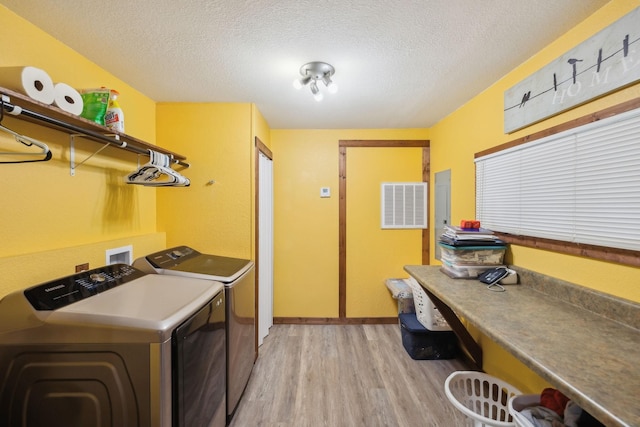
(470, 224)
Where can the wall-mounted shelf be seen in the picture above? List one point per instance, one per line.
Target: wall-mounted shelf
(14, 104)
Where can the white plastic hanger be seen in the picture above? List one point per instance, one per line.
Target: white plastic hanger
(28, 142)
(157, 173)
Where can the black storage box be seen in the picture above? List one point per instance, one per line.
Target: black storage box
(423, 344)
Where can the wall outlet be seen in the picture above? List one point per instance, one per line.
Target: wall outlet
(82, 267)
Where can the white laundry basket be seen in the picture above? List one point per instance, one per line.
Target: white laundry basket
(518, 403)
(482, 398)
(426, 312)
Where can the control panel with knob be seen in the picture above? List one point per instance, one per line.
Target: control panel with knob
(61, 292)
(172, 257)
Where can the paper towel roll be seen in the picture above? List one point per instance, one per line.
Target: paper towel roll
(68, 99)
(32, 81)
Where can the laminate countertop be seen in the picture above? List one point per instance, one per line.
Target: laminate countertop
(585, 343)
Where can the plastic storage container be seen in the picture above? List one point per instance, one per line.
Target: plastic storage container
(472, 255)
(423, 344)
(457, 271)
(481, 397)
(427, 313)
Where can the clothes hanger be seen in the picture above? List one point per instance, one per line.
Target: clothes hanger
(157, 173)
(28, 142)
(163, 163)
(25, 140)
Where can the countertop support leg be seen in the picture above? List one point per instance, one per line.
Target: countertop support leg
(475, 351)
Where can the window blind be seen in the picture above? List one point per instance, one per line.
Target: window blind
(580, 186)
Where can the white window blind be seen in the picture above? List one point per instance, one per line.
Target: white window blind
(404, 205)
(581, 185)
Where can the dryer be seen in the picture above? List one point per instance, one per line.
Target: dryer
(238, 277)
(114, 346)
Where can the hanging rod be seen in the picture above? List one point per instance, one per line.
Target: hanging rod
(16, 110)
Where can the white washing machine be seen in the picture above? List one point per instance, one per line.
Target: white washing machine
(114, 346)
(238, 277)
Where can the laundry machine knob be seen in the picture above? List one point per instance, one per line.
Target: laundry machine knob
(97, 278)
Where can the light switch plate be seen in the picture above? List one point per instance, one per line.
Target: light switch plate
(325, 192)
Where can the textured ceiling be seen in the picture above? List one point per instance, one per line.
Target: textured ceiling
(399, 63)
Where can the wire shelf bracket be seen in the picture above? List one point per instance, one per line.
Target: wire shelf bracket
(72, 151)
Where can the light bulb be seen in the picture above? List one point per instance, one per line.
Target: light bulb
(317, 95)
(299, 83)
(331, 86)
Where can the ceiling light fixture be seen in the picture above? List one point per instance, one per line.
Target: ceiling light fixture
(311, 73)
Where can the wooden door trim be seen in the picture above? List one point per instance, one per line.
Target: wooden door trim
(342, 220)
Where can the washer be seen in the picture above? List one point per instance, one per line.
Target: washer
(238, 277)
(114, 347)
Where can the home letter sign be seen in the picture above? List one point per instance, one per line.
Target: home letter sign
(607, 61)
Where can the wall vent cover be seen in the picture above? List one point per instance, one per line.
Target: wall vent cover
(404, 205)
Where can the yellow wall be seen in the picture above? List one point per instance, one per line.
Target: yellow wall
(478, 125)
(28, 269)
(214, 214)
(259, 129)
(306, 226)
(51, 221)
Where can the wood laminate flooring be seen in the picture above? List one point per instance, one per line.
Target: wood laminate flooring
(345, 376)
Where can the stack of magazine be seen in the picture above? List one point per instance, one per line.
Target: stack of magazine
(467, 253)
(457, 236)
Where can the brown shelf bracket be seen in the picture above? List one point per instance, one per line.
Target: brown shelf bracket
(472, 347)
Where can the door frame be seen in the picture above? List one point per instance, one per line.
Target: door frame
(342, 225)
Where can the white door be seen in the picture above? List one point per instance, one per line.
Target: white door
(265, 246)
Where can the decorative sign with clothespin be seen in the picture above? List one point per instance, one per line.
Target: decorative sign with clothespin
(157, 173)
(608, 61)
